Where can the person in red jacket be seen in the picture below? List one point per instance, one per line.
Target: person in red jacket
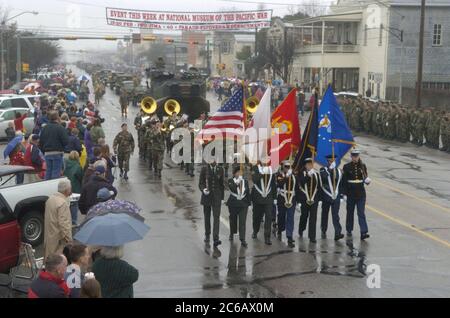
(51, 283)
(16, 159)
(18, 122)
(34, 157)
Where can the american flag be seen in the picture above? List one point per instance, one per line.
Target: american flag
(228, 120)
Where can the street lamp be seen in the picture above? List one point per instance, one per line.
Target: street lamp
(2, 47)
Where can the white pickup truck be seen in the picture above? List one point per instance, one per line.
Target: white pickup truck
(25, 202)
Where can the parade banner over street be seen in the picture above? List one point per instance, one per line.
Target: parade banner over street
(197, 21)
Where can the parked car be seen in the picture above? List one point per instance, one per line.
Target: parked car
(24, 203)
(17, 101)
(8, 115)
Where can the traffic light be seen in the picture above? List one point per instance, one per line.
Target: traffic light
(25, 67)
(149, 38)
(136, 38)
(194, 42)
(169, 40)
(221, 66)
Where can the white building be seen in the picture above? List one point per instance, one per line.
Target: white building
(358, 46)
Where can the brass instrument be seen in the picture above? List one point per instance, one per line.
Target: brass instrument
(251, 104)
(149, 105)
(172, 106)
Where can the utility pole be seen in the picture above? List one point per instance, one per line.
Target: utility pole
(420, 59)
(208, 62)
(400, 89)
(2, 48)
(175, 58)
(19, 60)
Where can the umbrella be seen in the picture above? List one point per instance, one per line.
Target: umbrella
(31, 87)
(12, 145)
(84, 78)
(114, 206)
(113, 229)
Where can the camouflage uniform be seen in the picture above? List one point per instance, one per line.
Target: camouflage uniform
(403, 134)
(367, 118)
(391, 121)
(434, 123)
(158, 146)
(124, 147)
(138, 125)
(148, 143)
(124, 102)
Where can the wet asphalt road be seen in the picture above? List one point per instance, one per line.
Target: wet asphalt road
(408, 211)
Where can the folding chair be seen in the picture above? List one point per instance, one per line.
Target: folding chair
(27, 262)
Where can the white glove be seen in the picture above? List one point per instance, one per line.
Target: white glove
(311, 172)
(344, 197)
(240, 178)
(275, 202)
(261, 169)
(89, 275)
(289, 173)
(266, 170)
(205, 191)
(298, 206)
(333, 165)
(367, 181)
(236, 181)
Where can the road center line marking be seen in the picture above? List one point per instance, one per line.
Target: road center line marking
(409, 226)
(412, 196)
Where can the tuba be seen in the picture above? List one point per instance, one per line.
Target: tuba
(149, 105)
(251, 104)
(172, 106)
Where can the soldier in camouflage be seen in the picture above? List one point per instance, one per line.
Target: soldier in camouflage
(138, 123)
(124, 147)
(158, 147)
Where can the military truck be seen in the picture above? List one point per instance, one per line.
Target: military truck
(120, 80)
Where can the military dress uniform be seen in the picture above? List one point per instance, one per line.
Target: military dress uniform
(330, 183)
(354, 180)
(286, 203)
(309, 185)
(211, 184)
(264, 194)
(238, 203)
(124, 146)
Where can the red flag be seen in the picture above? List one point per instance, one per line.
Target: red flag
(285, 118)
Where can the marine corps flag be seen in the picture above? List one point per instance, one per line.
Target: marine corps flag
(285, 125)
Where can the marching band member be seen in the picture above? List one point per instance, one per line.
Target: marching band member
(309, 180)
(238, 204)
(286, 201)
(330, 183)
(354, 181)
(264, 195)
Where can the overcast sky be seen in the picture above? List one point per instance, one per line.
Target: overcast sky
(54, 15)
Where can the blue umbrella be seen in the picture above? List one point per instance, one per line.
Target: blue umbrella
(84, 78)
(12, 145)
(112, 229)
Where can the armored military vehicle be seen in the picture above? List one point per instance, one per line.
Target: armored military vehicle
(181, 93)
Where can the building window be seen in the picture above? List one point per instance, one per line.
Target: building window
(226, 48)
(437, 35)
(365, 35)
(380, 39)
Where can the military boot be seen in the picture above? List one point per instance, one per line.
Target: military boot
(125, 175)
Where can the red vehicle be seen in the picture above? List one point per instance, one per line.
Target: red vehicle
(22, 211)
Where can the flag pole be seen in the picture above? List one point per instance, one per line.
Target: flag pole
(334, 170)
